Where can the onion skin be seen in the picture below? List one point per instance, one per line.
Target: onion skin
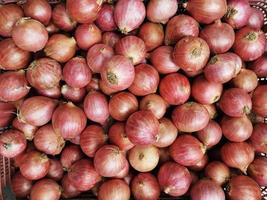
(110, 38)
(12, 57)
(206, 189)
(190, 117)
(174, 179)
(206, 11)
(55, 170)
(37, 110)
(60, 47)
(131, 47)
(129, 14)
(96, 107)
(242, 188)
(259, 100)
(187, 150)
(218, 172)
(256, 19)
(258, 171)
(237, 155)
(249, 43)
(76, 73)
(13, 86)
(122, 105)
(69, 120)
(69, 190)
(7, 111)
(246, 80)
(259, 66)
(29, 34)
(211, 110)
(105, 20)
(48, 141)
(35, 165)
(73, 94)
(191, 53)
(114, 189)
(219, 36)
(97, 55)
(45, 189)
(51, 92)
(12, 143)
(20, 185)
(175, 89)
(39, 10)
(258, 138)
(109, 161)
(175, 28)
(146, 80)
(236, 129)
(69, 155)
(144, 158)
(145, 186)
(160, 11)
(91, 139)
(142, 128)
(93, 85)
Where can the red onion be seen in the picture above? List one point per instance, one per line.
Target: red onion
(131, 47)
(35, 165)
(69, 155)
(175, 29)
(161, 58)
(249, 43)
(39, 10)
(129, 15)
(7, 113)
(55, 170)
(259, 100)
(256, 19)
(117, 136)
(87, 35)
(73, 94)
(238, 13)
(96, 107)
(152, 34)
(98, 55)
(110, 38)
(206, 189)
(60, 47)
(219, 36)
(106, 89)
(235, 102)
(29, 34)
(236, 129)
(62, 19)
(259, 137)
(122, 105)
(37, 110)
(20, 185)
(246, 80)
(258, 170)
(118, 73)
(50, 92)
(211, 134)
(69, 190)
(259, 66)
(9, 15)
(174, 179)
(175, 89)
(105, 20)
(237, 155)
(45, 189)
(190, 117)
(69, 120)
(145, 186)
(187, 150)
(142, 128)
(114, 189)
(200, 165)
(48, 141)
(76, 72)
(218, 172)
(52, 28)
(164, 155)
(222, 67)
(206, 92)
(211, 110)
(206, 11)
(144, 158)
(243, 188)
(12, 57)
(109, 161)
(12, 143)
(83, 11)
(91, 139)
(146, 80)
(93, 85)
(13, 86)
(191, 53)
(160, 11)
(124, 172)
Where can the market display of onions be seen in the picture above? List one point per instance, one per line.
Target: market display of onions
(134, 99)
